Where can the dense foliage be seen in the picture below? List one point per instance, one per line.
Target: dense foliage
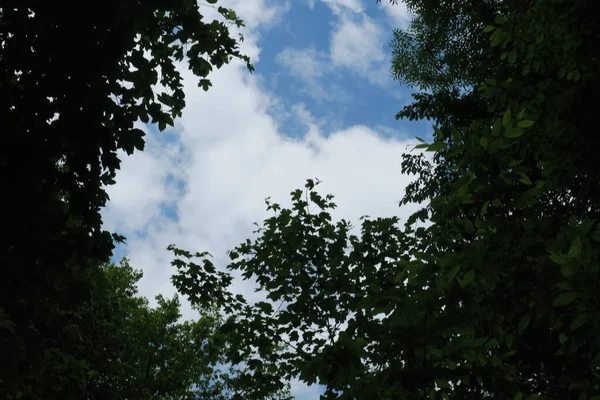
(125, 349)
(73, 83)
(491, 290)
(498, 295)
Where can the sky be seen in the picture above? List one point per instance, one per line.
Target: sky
(321, 104)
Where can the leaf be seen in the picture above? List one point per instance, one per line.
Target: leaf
(483, 142)
(507, 118)
(561, 72)
(513, 132)
(525, 179)
(525, 123)
(559, 259)
(562, 338)
(488, 28)
(442, 383)
(566, 270)
(436, 146)
(575, 249)
(579, 321)
(514, 163)
(524, 322)
(497, 128)
(508, 339)
(468, 278)
(452, 273)
(484, 208)
(518, 396)
(564, 298)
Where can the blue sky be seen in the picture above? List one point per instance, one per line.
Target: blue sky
(320, 104)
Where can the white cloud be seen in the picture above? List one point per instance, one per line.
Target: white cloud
(340, 6)
(357, 44)
(307, 64)
(255, 13)
(311, 68)
(399, 14)
(149, 185)
(229, 153)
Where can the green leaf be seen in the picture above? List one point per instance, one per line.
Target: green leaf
(488, 28)
(562, 338)
(559, 259)
(442, 383)
(518, 396)
(508, 339)
(497, 128)
(513, 132)
(452, 273)
(564, 298)
(579, 321)
(436, 146)
(566, 270)
(506, 120)
(468, 278)
(525, 124)
(575, 250)
(525, 179)
(561, 72)
(484, 208)
(483, 142)
(524, 322)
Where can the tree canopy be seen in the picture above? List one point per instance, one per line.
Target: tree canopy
(121, 348)
(73, 84)
(497, 297)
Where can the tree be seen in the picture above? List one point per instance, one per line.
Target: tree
(498, 296)
(126, 349)
(73, 84)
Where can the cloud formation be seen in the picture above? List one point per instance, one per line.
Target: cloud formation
(357, 45)
(202, 184)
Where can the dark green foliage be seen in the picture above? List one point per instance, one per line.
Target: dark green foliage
(498, 296)
(125, 349)
(73, 81)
